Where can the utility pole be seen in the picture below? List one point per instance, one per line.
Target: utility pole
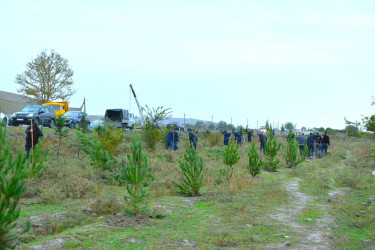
(257, 124)
(247, 123)
(184, 120)
(212, 119)
(84, 105)
(231, 121)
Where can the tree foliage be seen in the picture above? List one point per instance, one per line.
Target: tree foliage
(289, 126)
(12, 188)
(60, 131)
(231, 157)
(192, 169)
(47, 77)
(134, 174)
(292, 156)
(255, 162)
(156, 115)
(272, 147)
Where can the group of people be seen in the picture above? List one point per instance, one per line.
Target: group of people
(173, 139)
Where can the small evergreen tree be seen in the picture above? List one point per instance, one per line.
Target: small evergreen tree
(36, 167)
(99, 157)
(292, 156)
(83, 124)
(134, 174)
(255, 162)
(192, 169)
(150, 135)
(231, 157)
(60, 131)
(271, 148)
(12, 188)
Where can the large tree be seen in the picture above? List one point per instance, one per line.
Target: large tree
(47, 77)
(289, 126)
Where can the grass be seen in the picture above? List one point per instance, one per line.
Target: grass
(235, 215)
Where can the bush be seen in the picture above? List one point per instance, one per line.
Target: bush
(109, 138)
(134, 174)
(99, 157)
(213, 138)
(12, 188)
(106, 204)
(231, 157)
(271, 148)
(291, 155)
(150, 135)
(255, 162)
(192, 169)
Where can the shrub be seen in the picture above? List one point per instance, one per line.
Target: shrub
(109, 138)
(106, 204)
(60, 131)
(231, 157)
(36, 167)
(150, 135)
(213, 138)
(271, 148)
(134, 174)
(12, 188)
(255, 162)
(99, 157)
(192, 169)
(291, 155)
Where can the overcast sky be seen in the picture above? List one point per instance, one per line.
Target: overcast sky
(307, 62)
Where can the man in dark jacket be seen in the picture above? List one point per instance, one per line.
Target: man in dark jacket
(32, 137)
(226, 137)
(249, 134)
(193, 139)
(310, 145)
(170, 140)
(318, 139)
(238, 136)
(301, 142)
(324, 144)
(262, 141)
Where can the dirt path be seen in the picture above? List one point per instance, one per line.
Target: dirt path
(311, 236)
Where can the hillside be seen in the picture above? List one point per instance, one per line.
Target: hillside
(10, 102)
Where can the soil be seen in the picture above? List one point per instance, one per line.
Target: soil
(120, 220)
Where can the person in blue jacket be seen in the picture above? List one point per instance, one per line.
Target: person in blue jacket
(170, 140)
(310, 145)
(238, 136)
(175, 140)
(226, 137)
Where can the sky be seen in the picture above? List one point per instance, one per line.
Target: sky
(311, 63)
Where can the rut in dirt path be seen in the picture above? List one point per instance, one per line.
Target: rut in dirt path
(311, 236)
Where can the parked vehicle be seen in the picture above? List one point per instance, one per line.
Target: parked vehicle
(59, 107)
(119, 118)
(73, 118)
(177, 126)
(97, 123)
(41, 115)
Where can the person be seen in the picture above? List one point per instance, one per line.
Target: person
(249, 135)
(290, 135)
(310, 145)
(36, 133)
(170, 140)
(226, 137)
(175, 139)
(193, 139)
(238, 136)
(324, 144)
(262, 140)
(318, 139)
(301, 142)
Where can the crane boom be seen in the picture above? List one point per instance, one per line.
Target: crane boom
(139, 106)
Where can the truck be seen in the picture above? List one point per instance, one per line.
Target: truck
(59, 107)
(119, 118)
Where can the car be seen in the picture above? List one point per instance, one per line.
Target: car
(73, 118)
(119, 118)
(177, 126)
(96, 124)
(41, 115)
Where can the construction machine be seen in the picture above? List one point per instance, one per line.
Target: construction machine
(139, 106)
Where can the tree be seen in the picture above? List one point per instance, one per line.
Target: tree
(369, 121)
(282, 127)
(289, 126)
(60, 131)
(47, 77)
(231, 157)
(267, 125)
(156, 115)
(211, 126)
(222, 125)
